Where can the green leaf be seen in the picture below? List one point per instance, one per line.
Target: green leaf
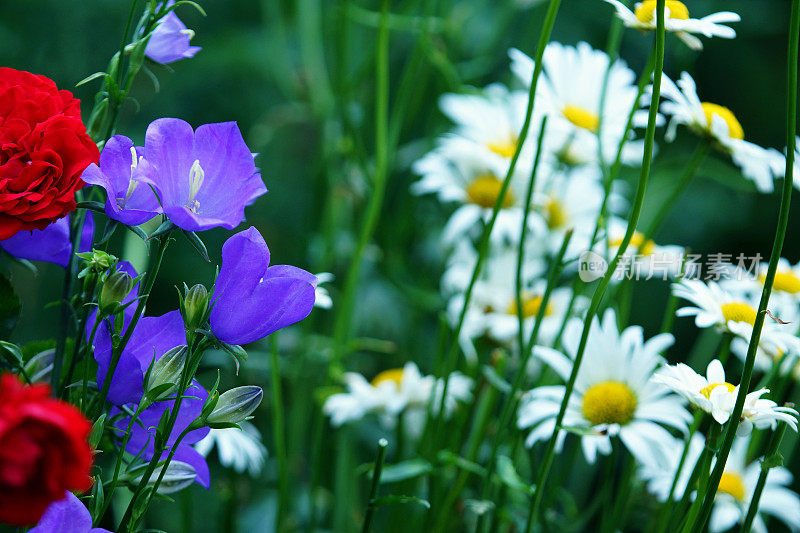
(10, 307)
(91, 77)
(198, 244)
(495, 380)
(97, 431)
(509, 477)
(392, 499)
(449, 457)
(405, 470)
(92, 206)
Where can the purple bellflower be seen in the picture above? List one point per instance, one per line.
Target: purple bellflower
(169, 41)
(67, 516)
(52, 244)
(144, 431)
(152, 337)
(252, 299)
(204, 179)
(128, 199)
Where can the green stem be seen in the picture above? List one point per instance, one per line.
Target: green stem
(344, 316)
(766, 464)
(279, 439)
(600, 291)
(376, 481)
(452, 354)
(780, 235)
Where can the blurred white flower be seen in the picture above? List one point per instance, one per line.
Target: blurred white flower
(240, 449)
(677, 20)
(682, 105)
(322, 297)
(392, 393)
(615, 393)
(570, 93)
(643, 258)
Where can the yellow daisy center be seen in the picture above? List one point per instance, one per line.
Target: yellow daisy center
(581, 117)
(645, 11)
(393, 374)
(485, 189)
(644, 247)
(735, 130)
(609, 402)
(706, 391)
(784, 281)
(555, 214)
(739, 312)
(530, 307)
(733, 484)
(504, 148)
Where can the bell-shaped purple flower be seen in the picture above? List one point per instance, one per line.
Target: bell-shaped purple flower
(152, 338)
(252, 299)
(144, 431)
(128, 199)
(67, 516)
(169, 41)
(52, 244)
(204, 178)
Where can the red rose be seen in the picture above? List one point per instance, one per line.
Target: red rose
(44, 149)
(44, 450)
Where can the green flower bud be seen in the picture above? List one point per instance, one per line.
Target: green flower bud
(96, 261)
(115, 289)
(165, 371)
(178, 476)
(195, 307)
(236, 405)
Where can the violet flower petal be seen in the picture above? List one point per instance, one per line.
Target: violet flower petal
(50, 245)
(169, 41)
(252, 299)
(66, 516)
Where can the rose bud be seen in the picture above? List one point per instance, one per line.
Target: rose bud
(115, 289)
(236, 405)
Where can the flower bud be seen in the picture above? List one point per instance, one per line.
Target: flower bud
(39, 367)
(167, 370)
(195, 307)
(96, 261)
(236, 405)
(178, 476)
(115, 289)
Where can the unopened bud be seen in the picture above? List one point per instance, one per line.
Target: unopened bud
(178, 476)
(39, 367)
(167, 370)
(96, 261)
(115, 289)
(195, 307)
(236, 405)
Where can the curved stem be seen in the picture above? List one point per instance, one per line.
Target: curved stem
(766, 464)
(600, 291)
(777, 246)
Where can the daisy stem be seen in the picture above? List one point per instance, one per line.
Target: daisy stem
(770, 460)
(380, 174)
(702, 475)
(376, 481)
(780, 234)
(672, 302)
(689, 172)
(483, 246)
(668, 505)
(549, 454)
(278, 433)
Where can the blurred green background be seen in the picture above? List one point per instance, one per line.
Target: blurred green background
(297, 76)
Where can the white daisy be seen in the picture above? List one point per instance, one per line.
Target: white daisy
(716, 396)
(392, 392)
(457, 172)
(644, 259)
(322, 297)
(614, 394)
(677, 19)
(569, 92)
(681, 103)
(240, 449)
(659, 477)
(736, 488)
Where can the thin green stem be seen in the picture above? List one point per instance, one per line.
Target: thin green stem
(780, 235)
(483, 246)
(344, 316)
(376, 481)
(278, 433)
(766, 464)
(601, 288)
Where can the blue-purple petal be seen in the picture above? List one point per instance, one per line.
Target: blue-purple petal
(66, 516)
(170, 40)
